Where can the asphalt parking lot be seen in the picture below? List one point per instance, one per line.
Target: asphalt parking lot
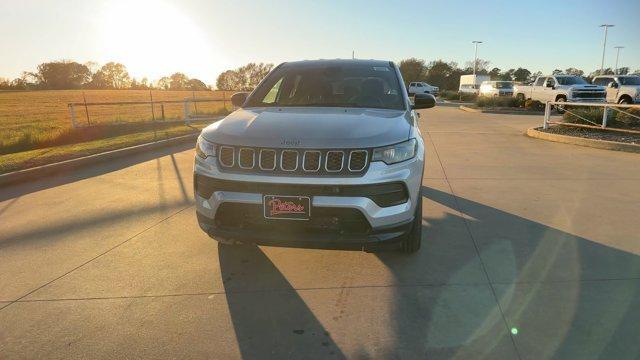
(531, 250)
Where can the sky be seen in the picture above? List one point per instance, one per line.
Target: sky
(201, 38)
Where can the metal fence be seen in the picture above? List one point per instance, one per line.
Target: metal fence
(601, 125)
(92, 113)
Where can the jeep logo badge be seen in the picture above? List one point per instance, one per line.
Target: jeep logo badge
(290, 142)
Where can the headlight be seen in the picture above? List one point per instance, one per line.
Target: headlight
(396, 153)
(205, 148)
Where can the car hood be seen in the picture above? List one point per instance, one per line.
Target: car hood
(311, 127)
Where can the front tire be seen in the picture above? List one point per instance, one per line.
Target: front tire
(412, 241)
(560, 108)
(624, 100)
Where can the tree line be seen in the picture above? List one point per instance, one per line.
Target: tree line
(65, 75)
(446, 75)
(57, 75)
(244, 78)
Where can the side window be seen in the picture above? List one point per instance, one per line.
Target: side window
(419, 85)
(540, 81)
(272, 95)
(550, 82)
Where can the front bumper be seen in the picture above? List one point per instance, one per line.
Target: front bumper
(385, 222)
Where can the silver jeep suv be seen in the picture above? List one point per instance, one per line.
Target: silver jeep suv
(323, 154)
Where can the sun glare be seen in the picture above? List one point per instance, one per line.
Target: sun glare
(154, 39)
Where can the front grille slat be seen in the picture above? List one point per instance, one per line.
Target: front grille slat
(227, 156)
(289, 160)
(311, 161)
(293, 162)
(334, 162)
(358, 160)
(267, 159)
(247, 158)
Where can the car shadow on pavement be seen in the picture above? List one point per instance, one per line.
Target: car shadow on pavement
(270, 318)
(84, 172)
(559, 295)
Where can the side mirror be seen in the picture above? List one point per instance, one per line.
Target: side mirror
(423, 101)
(239, 98)
(548, 85)
(613, 85)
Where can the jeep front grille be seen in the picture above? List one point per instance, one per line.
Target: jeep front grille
(293, 161)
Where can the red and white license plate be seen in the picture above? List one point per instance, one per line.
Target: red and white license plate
(287, 207)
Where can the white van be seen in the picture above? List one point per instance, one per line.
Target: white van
(470, 84)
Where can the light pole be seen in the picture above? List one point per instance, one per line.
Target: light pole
(617, 57)
(604, 45)
(475, 58)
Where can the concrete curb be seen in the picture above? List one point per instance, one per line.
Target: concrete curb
(44, 170)
(594, 143)
(468, 109)
(504, 112)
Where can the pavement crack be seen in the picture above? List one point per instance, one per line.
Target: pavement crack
(475, 245)
(257, 291)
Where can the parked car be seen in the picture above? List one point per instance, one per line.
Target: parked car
(422, 87)
(470, 84)
(560, 88)
(621, 89)
(496, 88)
(322, 153)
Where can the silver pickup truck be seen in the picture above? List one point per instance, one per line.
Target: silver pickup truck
(560, 88)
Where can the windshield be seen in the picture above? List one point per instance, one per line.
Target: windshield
(503, 85)
(571, 80)
(629, 80)
(330, 86)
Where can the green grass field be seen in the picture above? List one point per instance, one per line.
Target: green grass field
(141, 135)
(38, 119)
(35, 126)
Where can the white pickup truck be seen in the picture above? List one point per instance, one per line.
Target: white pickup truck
(621, 89)
(560, 88)
(422, 87)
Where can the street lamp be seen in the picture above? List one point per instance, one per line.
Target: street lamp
(475, 59)
(604, 45)
(617, 56)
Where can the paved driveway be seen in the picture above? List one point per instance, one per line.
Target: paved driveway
(530, 250)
